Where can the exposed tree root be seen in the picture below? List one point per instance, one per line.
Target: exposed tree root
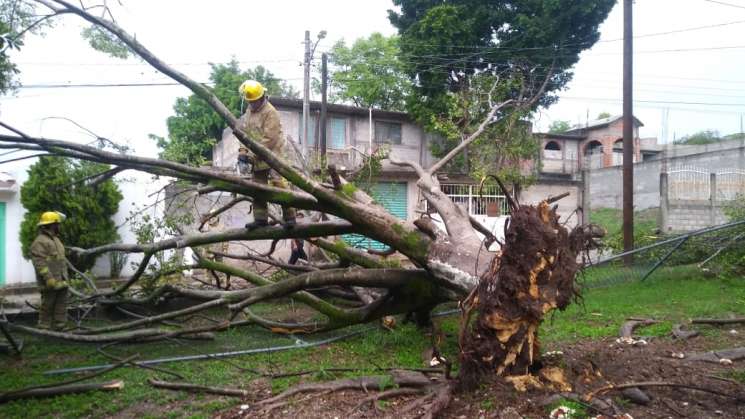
(739, 398)
(680, 333)
(627, 330)
(533, 275)
(734, 354)
(397, 392)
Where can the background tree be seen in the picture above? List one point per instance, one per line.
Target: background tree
(445, 44)
(702, 137)
(603, 115)
(17, 18)
(559, 126)
(369, 73)
(71, 187)
(195, 127)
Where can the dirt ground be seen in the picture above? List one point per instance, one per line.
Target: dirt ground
(588, 366)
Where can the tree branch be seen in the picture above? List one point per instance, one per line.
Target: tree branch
(327, 228)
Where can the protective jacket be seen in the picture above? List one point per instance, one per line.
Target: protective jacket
(265, 126)
(48, 257)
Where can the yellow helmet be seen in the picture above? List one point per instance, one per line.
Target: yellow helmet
(251, 90)
(51, 217)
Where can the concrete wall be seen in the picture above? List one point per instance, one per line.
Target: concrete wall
(547, 188)
(605, 183)
(693, 215)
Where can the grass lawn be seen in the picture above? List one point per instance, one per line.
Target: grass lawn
(677, 295)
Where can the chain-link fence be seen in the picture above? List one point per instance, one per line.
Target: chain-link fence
(711, 250)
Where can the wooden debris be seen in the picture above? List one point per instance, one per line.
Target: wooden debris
(195, 388)
(679, 333)
(734, 354)
(60, 390)
(627, 330)
(719, 321)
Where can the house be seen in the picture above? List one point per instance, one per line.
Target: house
(597, 144)
(352, 133)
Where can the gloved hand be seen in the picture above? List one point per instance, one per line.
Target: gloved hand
(56, 284)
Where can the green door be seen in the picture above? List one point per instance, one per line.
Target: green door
(393, 197)
(2, 243)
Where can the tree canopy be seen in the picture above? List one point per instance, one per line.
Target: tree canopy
(70, 187)
(701, 137)
(451, 48)
(559, 126)
(369, 73)
(195, 127)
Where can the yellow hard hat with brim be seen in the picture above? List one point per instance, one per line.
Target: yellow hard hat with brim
(251, 90)
(51, 217)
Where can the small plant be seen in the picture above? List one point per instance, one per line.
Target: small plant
(150, 229)
(117, 260)
(387, 382)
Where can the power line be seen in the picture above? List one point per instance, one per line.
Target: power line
(670, 102)
(726, 4)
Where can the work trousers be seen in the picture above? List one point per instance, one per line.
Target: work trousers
(260, 208)
(53, 309)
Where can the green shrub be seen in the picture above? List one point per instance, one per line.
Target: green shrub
(59, 184)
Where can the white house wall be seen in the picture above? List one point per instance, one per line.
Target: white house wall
(17, 269)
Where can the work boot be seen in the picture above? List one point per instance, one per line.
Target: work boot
(256, 224)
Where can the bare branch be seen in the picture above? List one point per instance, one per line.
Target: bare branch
(471, 138)
(328, 228)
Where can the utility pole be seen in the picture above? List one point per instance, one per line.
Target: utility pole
(628, 133)
(306, 95)
(324, 88)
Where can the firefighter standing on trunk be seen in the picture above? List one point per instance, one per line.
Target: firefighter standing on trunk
(50, 264)
(261, 122)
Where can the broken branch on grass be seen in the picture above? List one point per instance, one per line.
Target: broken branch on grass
(140, 334)
(195, 388)
(11, 395)
(627, 330)
(401, 378)
(60, 390)
(737, 320)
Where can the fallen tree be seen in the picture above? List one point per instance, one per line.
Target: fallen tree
(508, 292)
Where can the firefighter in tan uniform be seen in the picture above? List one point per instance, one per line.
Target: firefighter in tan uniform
(261, 121)
(50, 264)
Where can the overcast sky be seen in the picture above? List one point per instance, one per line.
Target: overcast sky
(694, 79)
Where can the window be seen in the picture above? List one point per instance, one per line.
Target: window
(337, 133)
(387, 132)
(312, 130)
(553, 146)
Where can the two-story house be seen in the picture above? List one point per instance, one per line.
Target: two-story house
(595, 145)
